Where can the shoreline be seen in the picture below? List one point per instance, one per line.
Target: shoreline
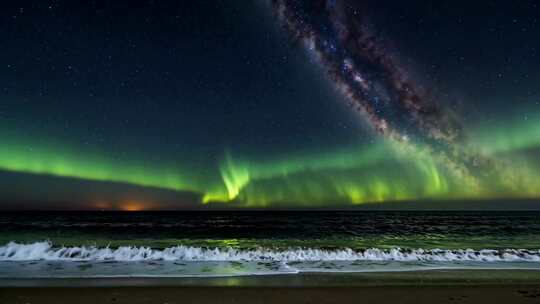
(436, 277)
(419, 287)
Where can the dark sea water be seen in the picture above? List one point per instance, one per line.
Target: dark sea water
(224, 243)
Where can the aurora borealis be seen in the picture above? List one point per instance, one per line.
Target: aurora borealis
(354, 175)
(300, 104)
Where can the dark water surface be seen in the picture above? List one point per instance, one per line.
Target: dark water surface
(359, 229)
(233, 243)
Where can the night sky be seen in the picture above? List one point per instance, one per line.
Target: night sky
(138, 105)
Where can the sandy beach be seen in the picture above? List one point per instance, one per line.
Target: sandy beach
(379, 294)
(513, 286)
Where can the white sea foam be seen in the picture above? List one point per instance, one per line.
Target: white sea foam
(45, 251)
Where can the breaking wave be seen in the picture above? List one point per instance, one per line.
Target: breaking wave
(46, 251)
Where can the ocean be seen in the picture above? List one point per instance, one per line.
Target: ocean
(250, 243)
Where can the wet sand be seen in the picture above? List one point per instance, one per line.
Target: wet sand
(370, 294)
(501, 286)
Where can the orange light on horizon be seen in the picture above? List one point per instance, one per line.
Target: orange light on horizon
(132, 206)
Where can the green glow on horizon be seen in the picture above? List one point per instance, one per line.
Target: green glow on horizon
(378, 172)
(59, 162)
(354, 175)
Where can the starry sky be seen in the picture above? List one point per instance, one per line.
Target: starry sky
(142, 105)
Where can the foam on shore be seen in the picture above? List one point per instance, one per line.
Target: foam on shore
(46, 251)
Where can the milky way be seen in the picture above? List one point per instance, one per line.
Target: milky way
(363, 67)
(365, 71)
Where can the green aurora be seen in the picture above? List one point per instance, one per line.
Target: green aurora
(380, 172)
